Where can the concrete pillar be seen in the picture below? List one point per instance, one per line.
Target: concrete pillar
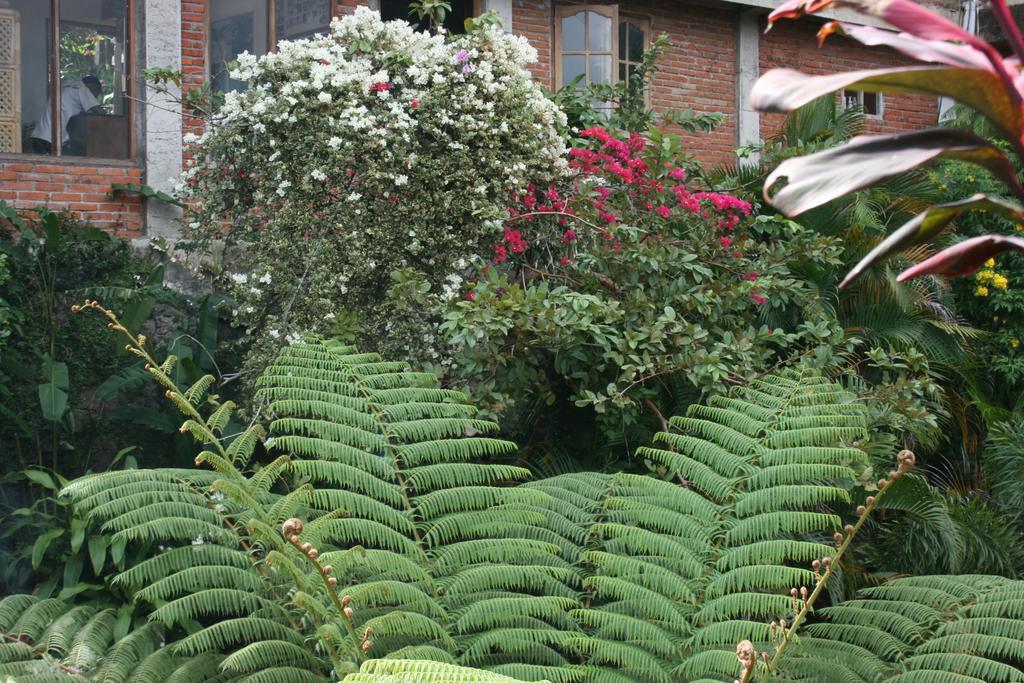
(748, 36)
(503, 8)
(162, 117)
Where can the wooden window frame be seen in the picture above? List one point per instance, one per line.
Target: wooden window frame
(563, 11)
(644, 24)
(56, 135)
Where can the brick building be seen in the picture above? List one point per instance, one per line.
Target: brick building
(52, 152)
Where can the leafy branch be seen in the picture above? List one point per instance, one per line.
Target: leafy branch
(803, 600)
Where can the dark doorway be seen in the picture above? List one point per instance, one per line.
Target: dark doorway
(455, 22)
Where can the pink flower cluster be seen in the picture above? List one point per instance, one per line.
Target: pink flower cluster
(661, 190)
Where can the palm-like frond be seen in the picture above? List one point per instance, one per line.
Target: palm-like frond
(930, 629)
(442, 554)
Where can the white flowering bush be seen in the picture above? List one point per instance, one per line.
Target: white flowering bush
(357, 153)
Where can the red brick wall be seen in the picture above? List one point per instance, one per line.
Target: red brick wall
(83, 190)
(792, 44)
(534, 20)
(194, 22)
(698, 72)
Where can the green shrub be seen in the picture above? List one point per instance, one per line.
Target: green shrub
(349, 155)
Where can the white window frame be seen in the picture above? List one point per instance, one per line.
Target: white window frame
(860, 103)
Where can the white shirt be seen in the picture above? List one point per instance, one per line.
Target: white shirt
(75, 99)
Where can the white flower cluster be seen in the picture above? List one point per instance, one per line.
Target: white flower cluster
(372, 148)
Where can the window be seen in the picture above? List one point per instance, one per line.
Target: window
(633, 36)
(870, 102)
(586, 43)
(253, 26)
(596, 45)
(65, 85)
(455, 22)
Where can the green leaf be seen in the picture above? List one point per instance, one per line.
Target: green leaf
(117, 547)
(77, 533)
(73, 570)
(98, 552)
(42, 478)
(42, 543)
(53, 393)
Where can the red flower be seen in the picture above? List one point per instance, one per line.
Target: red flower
(415, 102)
(750, 277)
(568, 236)
(325, 62)
(664, 211)
(759, 299)
(500, 254)
(515, 241)
(470, 295)
(726, 242)
(565, 260)
(380, 86)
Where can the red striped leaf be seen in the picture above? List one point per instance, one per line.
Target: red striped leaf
(819, 178)
(928, 224)
(963, 258)
(783, 90)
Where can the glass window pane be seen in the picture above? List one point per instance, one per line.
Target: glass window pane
(574, 33)
(26, 124)
(93, 54)
(622, 41)
(573, 66)
(599, 68)
(623, 71)
(636, 43)
(294, 19)
(599, 32)
(236, 26)
(871, 107)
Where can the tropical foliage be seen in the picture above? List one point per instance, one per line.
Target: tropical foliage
(621, 294)
(956, 64)
(374, 518)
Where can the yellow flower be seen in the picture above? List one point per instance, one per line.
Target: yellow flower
(1015, 342)
(981, 291)
(999, 282)
(985, 275)
(970, 179)
(1019, 227)
(990, 263)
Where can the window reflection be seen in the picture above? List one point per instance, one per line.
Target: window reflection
(574, 32)
(236, 26)
(90, 60)
(632, 43)
(599, 32)
(25, 79)
(294, 19)
(93, 62)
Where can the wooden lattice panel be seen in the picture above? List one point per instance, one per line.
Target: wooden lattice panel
(10, 136)
(10, 81)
